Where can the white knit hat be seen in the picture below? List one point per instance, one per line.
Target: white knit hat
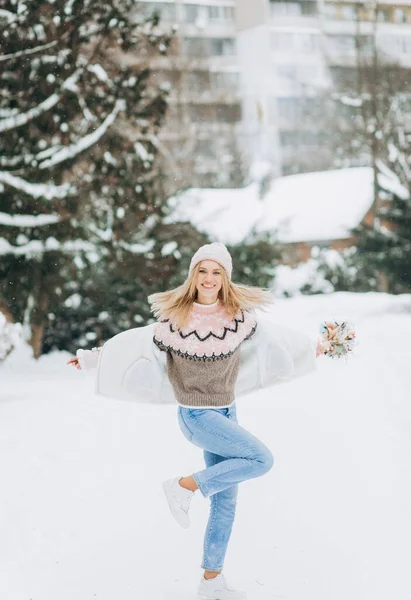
(215, 251)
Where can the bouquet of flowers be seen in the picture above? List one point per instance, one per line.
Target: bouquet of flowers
(336, 339)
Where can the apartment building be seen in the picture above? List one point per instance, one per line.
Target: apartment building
(199, 140)
(290, 53)
(247, 78)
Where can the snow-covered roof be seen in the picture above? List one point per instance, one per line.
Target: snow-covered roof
(302, 208)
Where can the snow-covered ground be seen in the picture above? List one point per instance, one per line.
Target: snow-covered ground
(82, 512)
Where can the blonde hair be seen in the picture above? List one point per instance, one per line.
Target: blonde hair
(175, 305)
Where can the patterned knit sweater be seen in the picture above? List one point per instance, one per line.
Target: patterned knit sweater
(203, 359)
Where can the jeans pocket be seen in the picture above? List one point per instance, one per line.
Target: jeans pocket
(183, 426)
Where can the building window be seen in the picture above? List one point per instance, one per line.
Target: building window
(289, 138)
(293, 8)
(213, 113)
(223, 46)
(165, 10)
(287, 72)
(394, 44)
(298, 42)
(203, 47)
(228, 13)
(228, 113)
(365, 43)
(341, 43)
(221, 14)
(285, 8)
(400, 15)
(349, 13)
(225, 80)
(406, 44)
(206, 149)
(406, 105)
(281, 41)
(196, 47)
(288, 108)
(198, 81)
(330, 11)
(298, 73)
(383, 15)
(298, 108)
(299, 138)
(306, 42)
(344, 76)
(309, 9)
(190, 13)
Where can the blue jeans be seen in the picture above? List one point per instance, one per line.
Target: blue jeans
(232, 455)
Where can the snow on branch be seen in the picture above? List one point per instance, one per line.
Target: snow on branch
(390, 182)
(357, 102)
(10, 336)
(99, 72)
(28, 51)
(87, 141)
(19, 119)
(27, 220)
(37, 247)
(8, 16)
(37, 190)
(138, 248)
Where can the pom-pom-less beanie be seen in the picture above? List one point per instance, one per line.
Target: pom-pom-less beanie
(215, 251)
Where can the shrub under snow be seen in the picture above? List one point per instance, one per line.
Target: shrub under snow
(10, 336)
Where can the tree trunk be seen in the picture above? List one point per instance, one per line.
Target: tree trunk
(36, 340)
(382, 282)
(6, 312)
(39, 313)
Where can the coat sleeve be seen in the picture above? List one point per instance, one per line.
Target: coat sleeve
(275, 354)
(130, 367)
(88, 359)
(299, 347)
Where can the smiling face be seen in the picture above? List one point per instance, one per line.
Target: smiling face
(209, 281)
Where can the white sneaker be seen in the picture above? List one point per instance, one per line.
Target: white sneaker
(178, 499)
(217, 589)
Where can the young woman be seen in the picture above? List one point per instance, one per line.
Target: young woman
(203, 329)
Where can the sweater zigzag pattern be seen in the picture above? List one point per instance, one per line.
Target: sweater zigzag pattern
(211, 334)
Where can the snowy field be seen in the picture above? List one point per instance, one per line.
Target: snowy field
(82, 512)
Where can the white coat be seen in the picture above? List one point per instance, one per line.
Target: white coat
(131, 367)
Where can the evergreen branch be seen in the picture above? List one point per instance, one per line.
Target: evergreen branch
(7, 15)
(27, 220)
(37, 190)
(87, 141)
(32, 50)
(23, 118)
(37, 247)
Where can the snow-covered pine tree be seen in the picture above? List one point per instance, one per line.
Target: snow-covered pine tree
(255, 260)
(77, 171)
(384, 248)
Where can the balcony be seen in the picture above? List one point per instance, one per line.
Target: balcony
(290, 12)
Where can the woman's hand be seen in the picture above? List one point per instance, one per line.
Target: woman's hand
(74, 361)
